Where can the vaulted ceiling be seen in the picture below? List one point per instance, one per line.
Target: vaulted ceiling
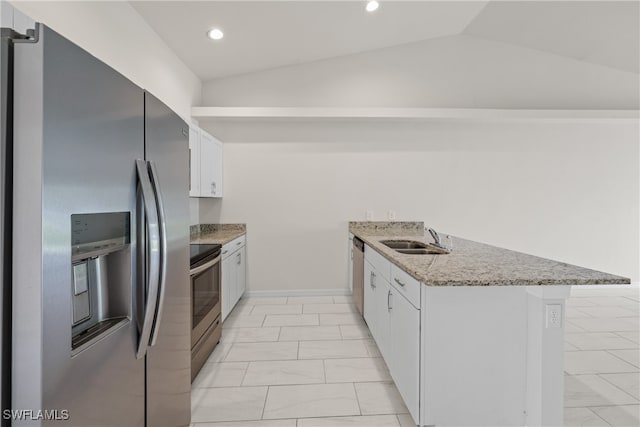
(261, 35)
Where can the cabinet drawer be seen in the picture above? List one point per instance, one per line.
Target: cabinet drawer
(379, 262)
(234, 245)
(405, 285)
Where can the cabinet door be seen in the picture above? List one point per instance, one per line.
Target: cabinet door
(242, 272)
(404, 349)
(370, 300)
(207, 159)
(228, 283)
(217, 168)
(382, 313)
(194, 162)
(210, 166)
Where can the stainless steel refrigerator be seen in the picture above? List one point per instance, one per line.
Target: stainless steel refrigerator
(95, 296)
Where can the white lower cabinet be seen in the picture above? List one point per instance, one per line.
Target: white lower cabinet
(395, 326)
(404, 360)
(234, 274)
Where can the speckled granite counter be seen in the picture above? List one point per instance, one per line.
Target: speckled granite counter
(216, 233)
(474, 264)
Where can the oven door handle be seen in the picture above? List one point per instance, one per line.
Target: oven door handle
(199, 269)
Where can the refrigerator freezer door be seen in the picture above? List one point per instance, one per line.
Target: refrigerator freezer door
(169, 359)
(79, 128)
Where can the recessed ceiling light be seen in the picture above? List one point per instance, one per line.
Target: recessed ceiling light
(215, 34)
(372, 5)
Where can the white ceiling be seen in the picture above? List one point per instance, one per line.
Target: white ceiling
(262, 35)
(601, 32)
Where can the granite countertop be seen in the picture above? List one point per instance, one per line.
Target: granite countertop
(216, 233)
(474, 264)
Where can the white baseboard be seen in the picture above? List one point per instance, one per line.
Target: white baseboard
(298, 293)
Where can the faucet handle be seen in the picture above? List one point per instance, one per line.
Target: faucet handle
(435, 235)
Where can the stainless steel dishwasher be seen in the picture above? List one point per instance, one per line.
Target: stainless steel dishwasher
(358, 273)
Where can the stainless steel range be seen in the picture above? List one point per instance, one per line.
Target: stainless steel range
(206, 325)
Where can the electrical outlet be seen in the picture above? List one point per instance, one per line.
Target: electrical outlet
(391, 215)
(554, 316)
(369, 215)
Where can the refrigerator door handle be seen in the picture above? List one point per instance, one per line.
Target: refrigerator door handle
(153, 260)
(163, 252)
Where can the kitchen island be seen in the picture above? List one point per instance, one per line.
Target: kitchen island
(473, 337)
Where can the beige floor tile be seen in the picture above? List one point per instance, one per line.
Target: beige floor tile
(360, 421)
(227, 404)
(243, 321)
(241, 310)
(576, 313)
(572, 327)
(618, 324)
(311, 300)
(316, 400)
(356, 370)
(284, 372)
(591, 390)
(406, 420)
(620, 416)
(343, 299)
(264, 300)
(309, 333)
(354, 332)
(341, 319)
(606, 311)
(610, 300)
(277, 309)
(631, 336)
(328, 308)
(291, 320)
(595, 362)
(219, 352)
(220, 375)
(629, 382)
(379, 398)
(332, 349)
(579, 417)
(579, 302)
(598, 341)
(250, 334)
(250, 352)
(630, 356)
(372, 348)
(261, 423)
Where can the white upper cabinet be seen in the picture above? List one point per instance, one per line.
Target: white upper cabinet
(206, 164)
(194, 162)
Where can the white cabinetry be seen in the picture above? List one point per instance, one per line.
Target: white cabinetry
(205, 164)
(194, 162)
(234, 273)
(394, 323)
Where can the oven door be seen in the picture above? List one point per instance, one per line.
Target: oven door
(205, 297)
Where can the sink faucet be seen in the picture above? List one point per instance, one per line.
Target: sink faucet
(436, 237)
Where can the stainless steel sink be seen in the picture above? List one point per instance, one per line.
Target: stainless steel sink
(413, 247)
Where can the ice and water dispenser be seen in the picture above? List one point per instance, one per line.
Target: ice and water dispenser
(101, 275)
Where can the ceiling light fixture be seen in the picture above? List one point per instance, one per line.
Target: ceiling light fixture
(372, 5)
(215, 34)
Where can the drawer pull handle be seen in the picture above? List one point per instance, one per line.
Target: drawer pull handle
(398, 281)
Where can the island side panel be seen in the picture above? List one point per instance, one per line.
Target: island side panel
(474, 355)
(545, 355)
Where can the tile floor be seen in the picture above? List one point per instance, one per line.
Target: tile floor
(310, 362)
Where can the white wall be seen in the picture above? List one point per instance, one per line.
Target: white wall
(458, 71)
(115, 33)
(566, 191)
